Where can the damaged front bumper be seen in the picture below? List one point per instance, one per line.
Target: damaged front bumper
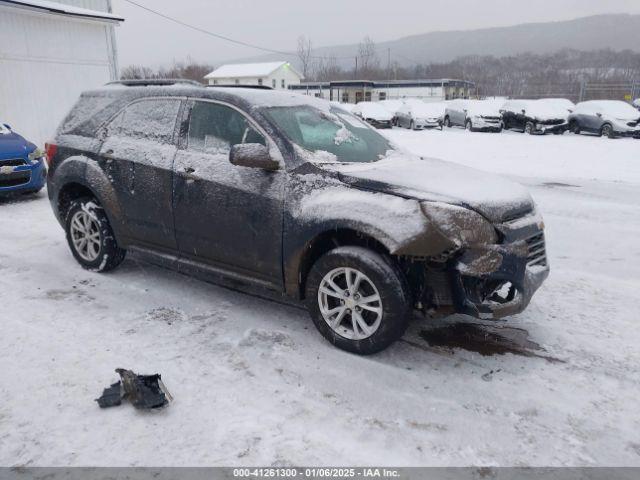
(492, 280)
(542, 128)
(495, 281)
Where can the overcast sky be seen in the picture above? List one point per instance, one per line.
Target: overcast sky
(150, 40)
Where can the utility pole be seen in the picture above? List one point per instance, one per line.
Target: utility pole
(355, 76)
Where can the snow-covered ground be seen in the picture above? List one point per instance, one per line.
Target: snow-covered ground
(254, 383)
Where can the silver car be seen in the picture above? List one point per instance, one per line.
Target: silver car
(418, 115)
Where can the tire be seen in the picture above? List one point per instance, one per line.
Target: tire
(447, 122)
(574, 127)
(529, 128)
(607, 131)
(378, 274)
(102, 253)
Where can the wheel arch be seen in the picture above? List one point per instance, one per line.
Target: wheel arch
(321, 244)
(71, 185)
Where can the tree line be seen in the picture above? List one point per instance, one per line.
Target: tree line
(562, 73)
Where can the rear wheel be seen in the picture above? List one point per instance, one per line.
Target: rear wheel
(90, 236)
(358, 299)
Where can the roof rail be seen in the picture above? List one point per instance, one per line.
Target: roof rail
(155, 82)
(234, 85)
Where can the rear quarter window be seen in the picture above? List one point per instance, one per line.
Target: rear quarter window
(89, 112)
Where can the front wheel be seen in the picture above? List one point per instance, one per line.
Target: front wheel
(529, 128)
(90, 236)
(574, 127)
(358, 300)
(607, 131)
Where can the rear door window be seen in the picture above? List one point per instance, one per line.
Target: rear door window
(215, 128)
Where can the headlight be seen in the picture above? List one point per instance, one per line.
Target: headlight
(36, 156)
(462, 226)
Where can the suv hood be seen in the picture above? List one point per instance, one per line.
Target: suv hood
(430, 179)
(13, 145)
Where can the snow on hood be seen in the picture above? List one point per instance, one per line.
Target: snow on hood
(544, 110)
(428, 110)
(430, 179)
(483, 108)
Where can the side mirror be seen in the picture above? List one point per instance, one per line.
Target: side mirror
(7, 126)
(523, 112)
(252, 155)
(599, 114)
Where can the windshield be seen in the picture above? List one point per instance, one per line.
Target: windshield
(336, 132)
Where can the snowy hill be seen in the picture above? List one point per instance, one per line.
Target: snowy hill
(615, 31)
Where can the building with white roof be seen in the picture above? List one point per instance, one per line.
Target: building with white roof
(277, 75)
(356, 91)
(49, 53)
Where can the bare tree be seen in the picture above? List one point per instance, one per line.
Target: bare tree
(327, 69)
(136, 72)
(190, 70)
(305, 48)
(367, 59)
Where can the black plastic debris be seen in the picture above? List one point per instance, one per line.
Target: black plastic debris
(143, 391)
(112, 396)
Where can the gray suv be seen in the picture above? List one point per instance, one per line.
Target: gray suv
(261, 189)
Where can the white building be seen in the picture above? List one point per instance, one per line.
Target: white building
(356, 91)
(49, 53)
(277, 75)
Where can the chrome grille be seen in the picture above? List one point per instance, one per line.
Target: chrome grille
(537, 252)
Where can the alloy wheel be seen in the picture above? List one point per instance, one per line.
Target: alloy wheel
(350, 303)
(85, 235)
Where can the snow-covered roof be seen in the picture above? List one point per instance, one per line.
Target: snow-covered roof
(246, 70)
(61, 9)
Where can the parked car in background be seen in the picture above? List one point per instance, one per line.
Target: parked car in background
(565, 103)
(347, 107)
(22, 166)
(611, 118)
(264, 189)
(418, 115)
(374, 114)
(474, 115)
(392, 106)
(534, 116)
